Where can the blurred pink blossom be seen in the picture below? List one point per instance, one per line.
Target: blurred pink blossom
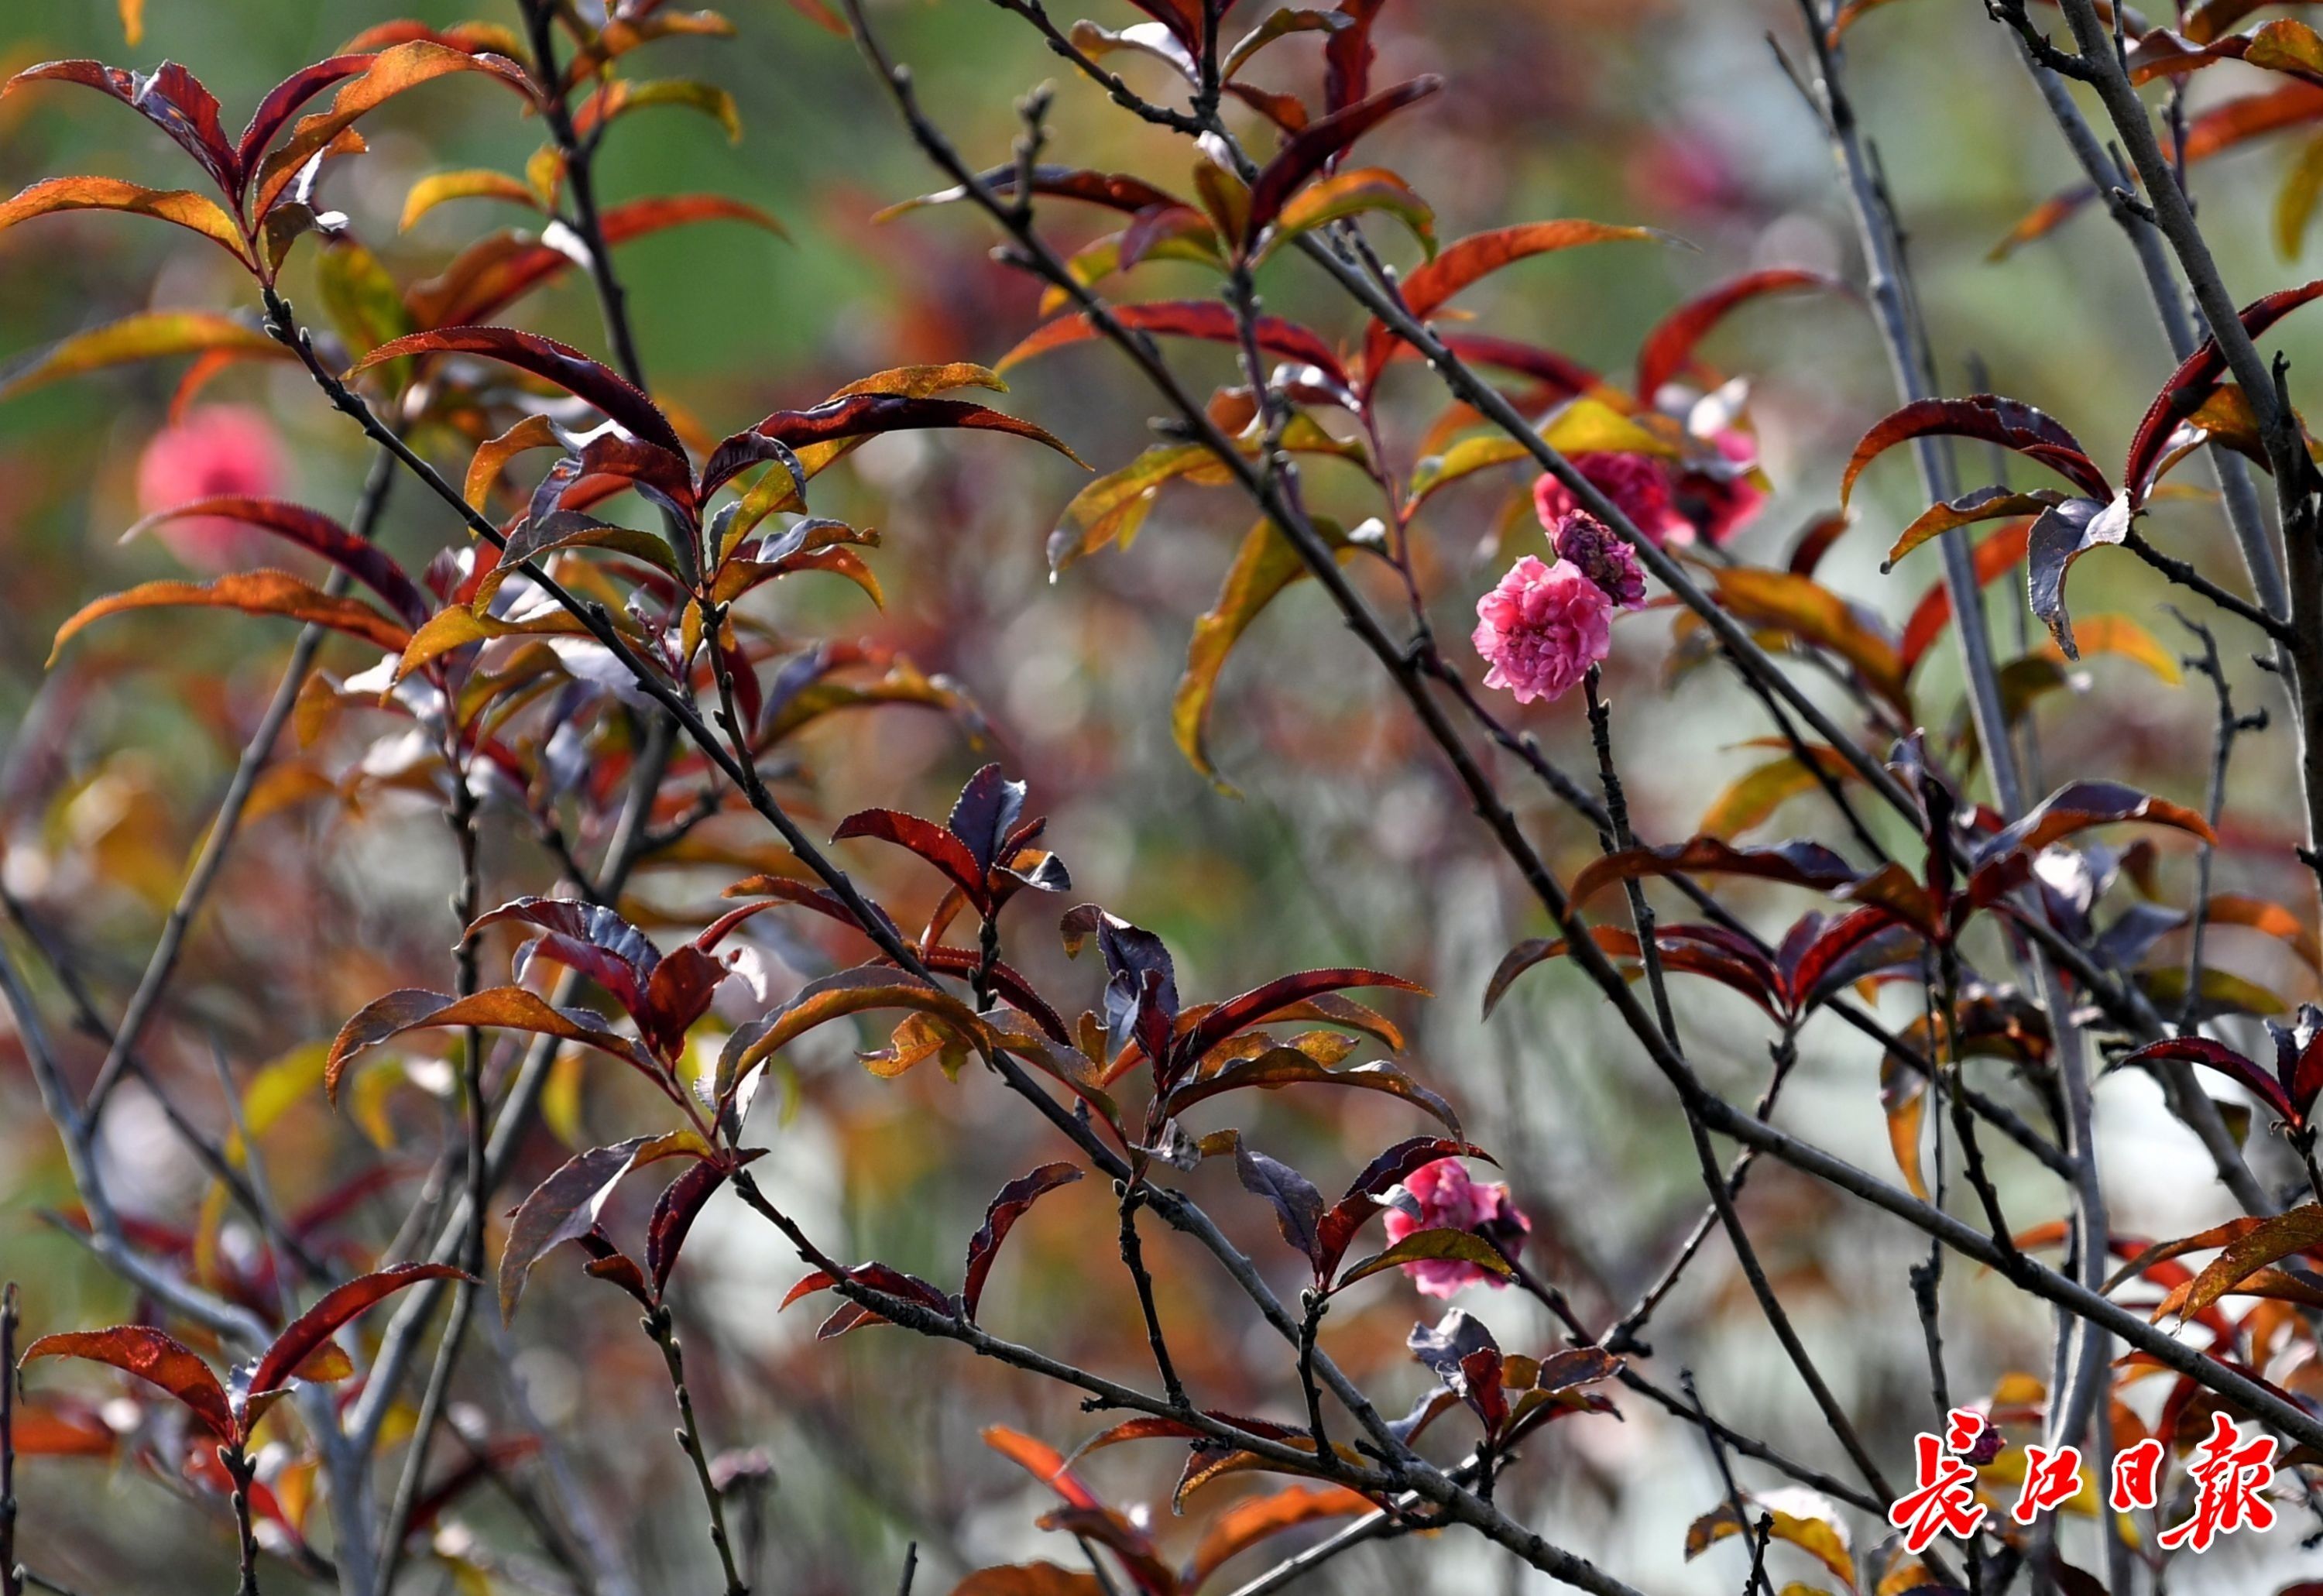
(1450, 1200)
(1718, 504)
(1667, 503)
(217, 450)
(1542, 628)
(1636, 483)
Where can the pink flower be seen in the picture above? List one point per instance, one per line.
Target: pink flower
(1636, 483)
(1449, 1200)
(1607, 561)
(217, 450)
(1542, 628)
(1719, 503)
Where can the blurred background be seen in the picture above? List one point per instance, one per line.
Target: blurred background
(1347, 844)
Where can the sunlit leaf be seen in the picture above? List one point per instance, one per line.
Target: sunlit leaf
(254, 592)
(469, 183)
(154, 335)
(187, 209)
(624, 94)
(383, 76)
(154, 1358)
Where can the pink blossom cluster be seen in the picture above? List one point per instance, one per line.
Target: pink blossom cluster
(1541, 629)
(1449, 1199)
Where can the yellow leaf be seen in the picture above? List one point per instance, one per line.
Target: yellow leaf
(2118, 634)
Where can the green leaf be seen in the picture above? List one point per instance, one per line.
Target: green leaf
(365, 307)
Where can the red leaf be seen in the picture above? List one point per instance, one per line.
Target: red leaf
(383, 76)
(931, 843)
(1239, 1013)
(2074, 807)
(2060, 536)
(860, 415)
(318, 532)
(877, 1277)
(1988, 419)
(1000, 1216)
(1307, 152)
(1114, 190)
(586, 937)
(282, 102)
(1043, 1462)
(678, 994)
(1298, 1205)
(2214, 1055)
(491, 274)
(1247, 1523)
(152, 1357)
(567, 367)
(306, 1333)
(1350, 1213)
(561, 1208)
(1669, 346)
(1799, 864)
(1846, 935)
(1348, 55)
(190, 210)
(173, 99)
(676, 1209)
(1566, 378)
(254, 592)
(1189, 319)
(510, 1008)
(1007, 981)
(2195, 381)
(1473, 258)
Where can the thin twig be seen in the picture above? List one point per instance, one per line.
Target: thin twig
(1734, 1498)
(662, 1328)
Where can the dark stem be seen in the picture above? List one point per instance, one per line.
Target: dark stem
(1623, 1337)
(1132, 1257)
(12, 1578)
(1309, 1325)
(240, 1470)
(660, 1328)
(1734, 1498)
(580, 176)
